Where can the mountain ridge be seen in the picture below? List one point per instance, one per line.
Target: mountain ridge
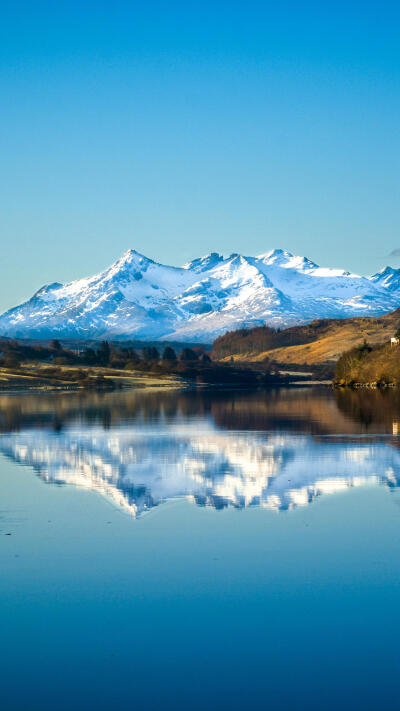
(141, 298)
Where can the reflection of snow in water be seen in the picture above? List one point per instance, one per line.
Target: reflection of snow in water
(138, 467)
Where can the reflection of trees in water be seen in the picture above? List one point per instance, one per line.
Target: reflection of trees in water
(372, 409)
(107, 409)
(300, 410)
(317, 411)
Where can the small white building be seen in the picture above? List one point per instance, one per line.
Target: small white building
(394, 341)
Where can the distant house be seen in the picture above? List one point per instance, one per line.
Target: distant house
(394, 341)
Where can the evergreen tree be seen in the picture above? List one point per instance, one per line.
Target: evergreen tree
(131, 355)
(89, 356)
(11, 360)
(169, 353)
(150, 353)
(188, 354)
(104, 353)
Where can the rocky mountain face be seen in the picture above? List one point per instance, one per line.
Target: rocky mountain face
(139, 298)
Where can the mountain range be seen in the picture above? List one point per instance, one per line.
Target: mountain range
(139, 298)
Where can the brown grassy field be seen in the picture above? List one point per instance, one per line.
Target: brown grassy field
(321, 342)
(43, 376)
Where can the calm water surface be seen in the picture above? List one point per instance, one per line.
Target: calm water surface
(183, 550)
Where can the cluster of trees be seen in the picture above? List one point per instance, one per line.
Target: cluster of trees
(244, 341)
(13, 353)
(192, 364)
(124, 357)
(369, 365)
(252, 341)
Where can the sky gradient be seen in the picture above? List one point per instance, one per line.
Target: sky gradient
(183, 128)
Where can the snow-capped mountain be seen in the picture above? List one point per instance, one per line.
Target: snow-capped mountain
(139, 298)
(388, 278)
(138, 467)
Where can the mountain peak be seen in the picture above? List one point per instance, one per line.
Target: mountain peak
(386, 270)
(388, 277)
(202, 264)
(132, 255)
(130, 260)
(139, 298)
(281, 257)
(276, 254)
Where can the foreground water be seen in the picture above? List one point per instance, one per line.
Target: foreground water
(177, 550)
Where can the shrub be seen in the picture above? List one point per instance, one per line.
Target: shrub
(169, 354)
(11, 360)
(150, 353)
(131, 365)
(188, 354)
(104, 352)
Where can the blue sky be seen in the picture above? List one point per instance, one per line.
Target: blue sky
(179, 128)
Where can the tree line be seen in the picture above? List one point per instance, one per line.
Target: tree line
(13, 353)
(191, 364)
(252, 341)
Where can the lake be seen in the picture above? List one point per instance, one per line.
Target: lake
(170, 549)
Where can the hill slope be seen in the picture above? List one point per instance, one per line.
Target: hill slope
(372, 365)
(138, 298)
(322, 341)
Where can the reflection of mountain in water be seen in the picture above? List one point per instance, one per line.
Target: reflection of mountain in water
(141, 465)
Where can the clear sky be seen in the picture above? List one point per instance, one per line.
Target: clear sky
(180, 128)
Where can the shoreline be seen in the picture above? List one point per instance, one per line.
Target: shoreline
(158, 385)
(36, 376)
(367, 386)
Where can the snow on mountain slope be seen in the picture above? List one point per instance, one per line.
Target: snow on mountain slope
(388, 278)
(139, 298)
